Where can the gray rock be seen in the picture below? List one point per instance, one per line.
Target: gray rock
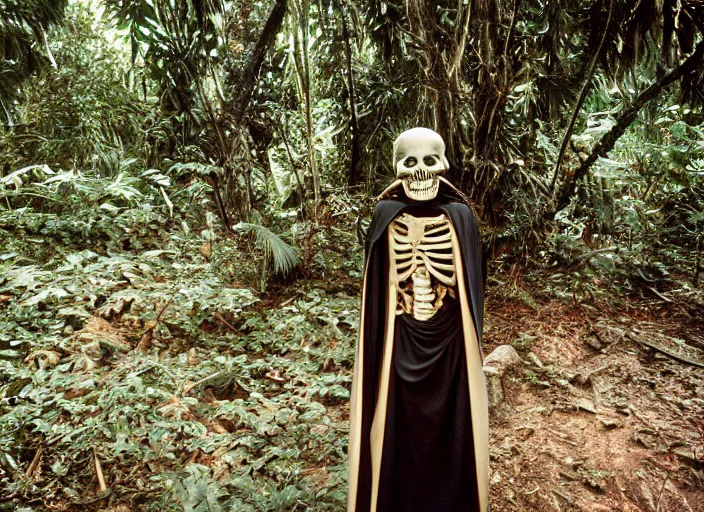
(503, 357)
(496, 366)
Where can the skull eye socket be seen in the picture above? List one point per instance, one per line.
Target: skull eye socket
(410, 161)
(429, 160)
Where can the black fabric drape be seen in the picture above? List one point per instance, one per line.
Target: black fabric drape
(452, 356)
(428, 461)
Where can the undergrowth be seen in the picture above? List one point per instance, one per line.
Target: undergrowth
(141, 365)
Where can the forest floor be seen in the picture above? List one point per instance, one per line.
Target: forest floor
(595, 420)
(161, 380)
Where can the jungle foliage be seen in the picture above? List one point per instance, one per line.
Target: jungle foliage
(167, 167)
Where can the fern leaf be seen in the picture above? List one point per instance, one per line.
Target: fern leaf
(282, 256)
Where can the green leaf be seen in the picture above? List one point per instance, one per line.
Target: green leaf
(276, 250)
(58, 468)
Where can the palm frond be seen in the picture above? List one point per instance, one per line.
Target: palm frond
(282, 256)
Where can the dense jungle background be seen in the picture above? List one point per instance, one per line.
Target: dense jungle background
(184, 185)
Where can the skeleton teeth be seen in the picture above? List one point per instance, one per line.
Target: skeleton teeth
(421, 189)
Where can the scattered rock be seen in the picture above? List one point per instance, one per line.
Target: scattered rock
(192, 358)
(496, 364)
(610, 423)
(586, 405)
(502, 358)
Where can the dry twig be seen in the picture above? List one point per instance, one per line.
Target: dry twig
(146, 341)
(99, 472)
(667, 476)
(227, 324)
(35, 463)
(662, 350)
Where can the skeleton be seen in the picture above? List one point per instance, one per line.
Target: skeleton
(418, 377)
(422, 262)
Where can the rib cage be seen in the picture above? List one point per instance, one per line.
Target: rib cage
(422, 263)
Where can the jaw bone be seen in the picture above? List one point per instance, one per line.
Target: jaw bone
(422, 185)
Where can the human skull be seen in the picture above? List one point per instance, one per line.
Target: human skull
(419, 160)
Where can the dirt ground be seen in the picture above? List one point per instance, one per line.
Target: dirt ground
(595, 420)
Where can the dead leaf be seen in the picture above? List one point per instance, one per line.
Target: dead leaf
(193, 359)
(43, 358)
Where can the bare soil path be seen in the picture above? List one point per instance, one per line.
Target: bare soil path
(595, 420)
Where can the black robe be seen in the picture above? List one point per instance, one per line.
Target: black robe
(428, 453)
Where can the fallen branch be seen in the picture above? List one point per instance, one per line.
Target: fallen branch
(146, 341)
(662, 350)
(227, 324)
(561, 436)
(189, 387)
(584, 378)
(667, 476)
(35, 463)
(659, 295)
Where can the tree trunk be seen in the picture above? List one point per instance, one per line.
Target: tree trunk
(353, 177)
(215, 183)
(302, 68)
(623, 121)
(582, 96)
(248, 78)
